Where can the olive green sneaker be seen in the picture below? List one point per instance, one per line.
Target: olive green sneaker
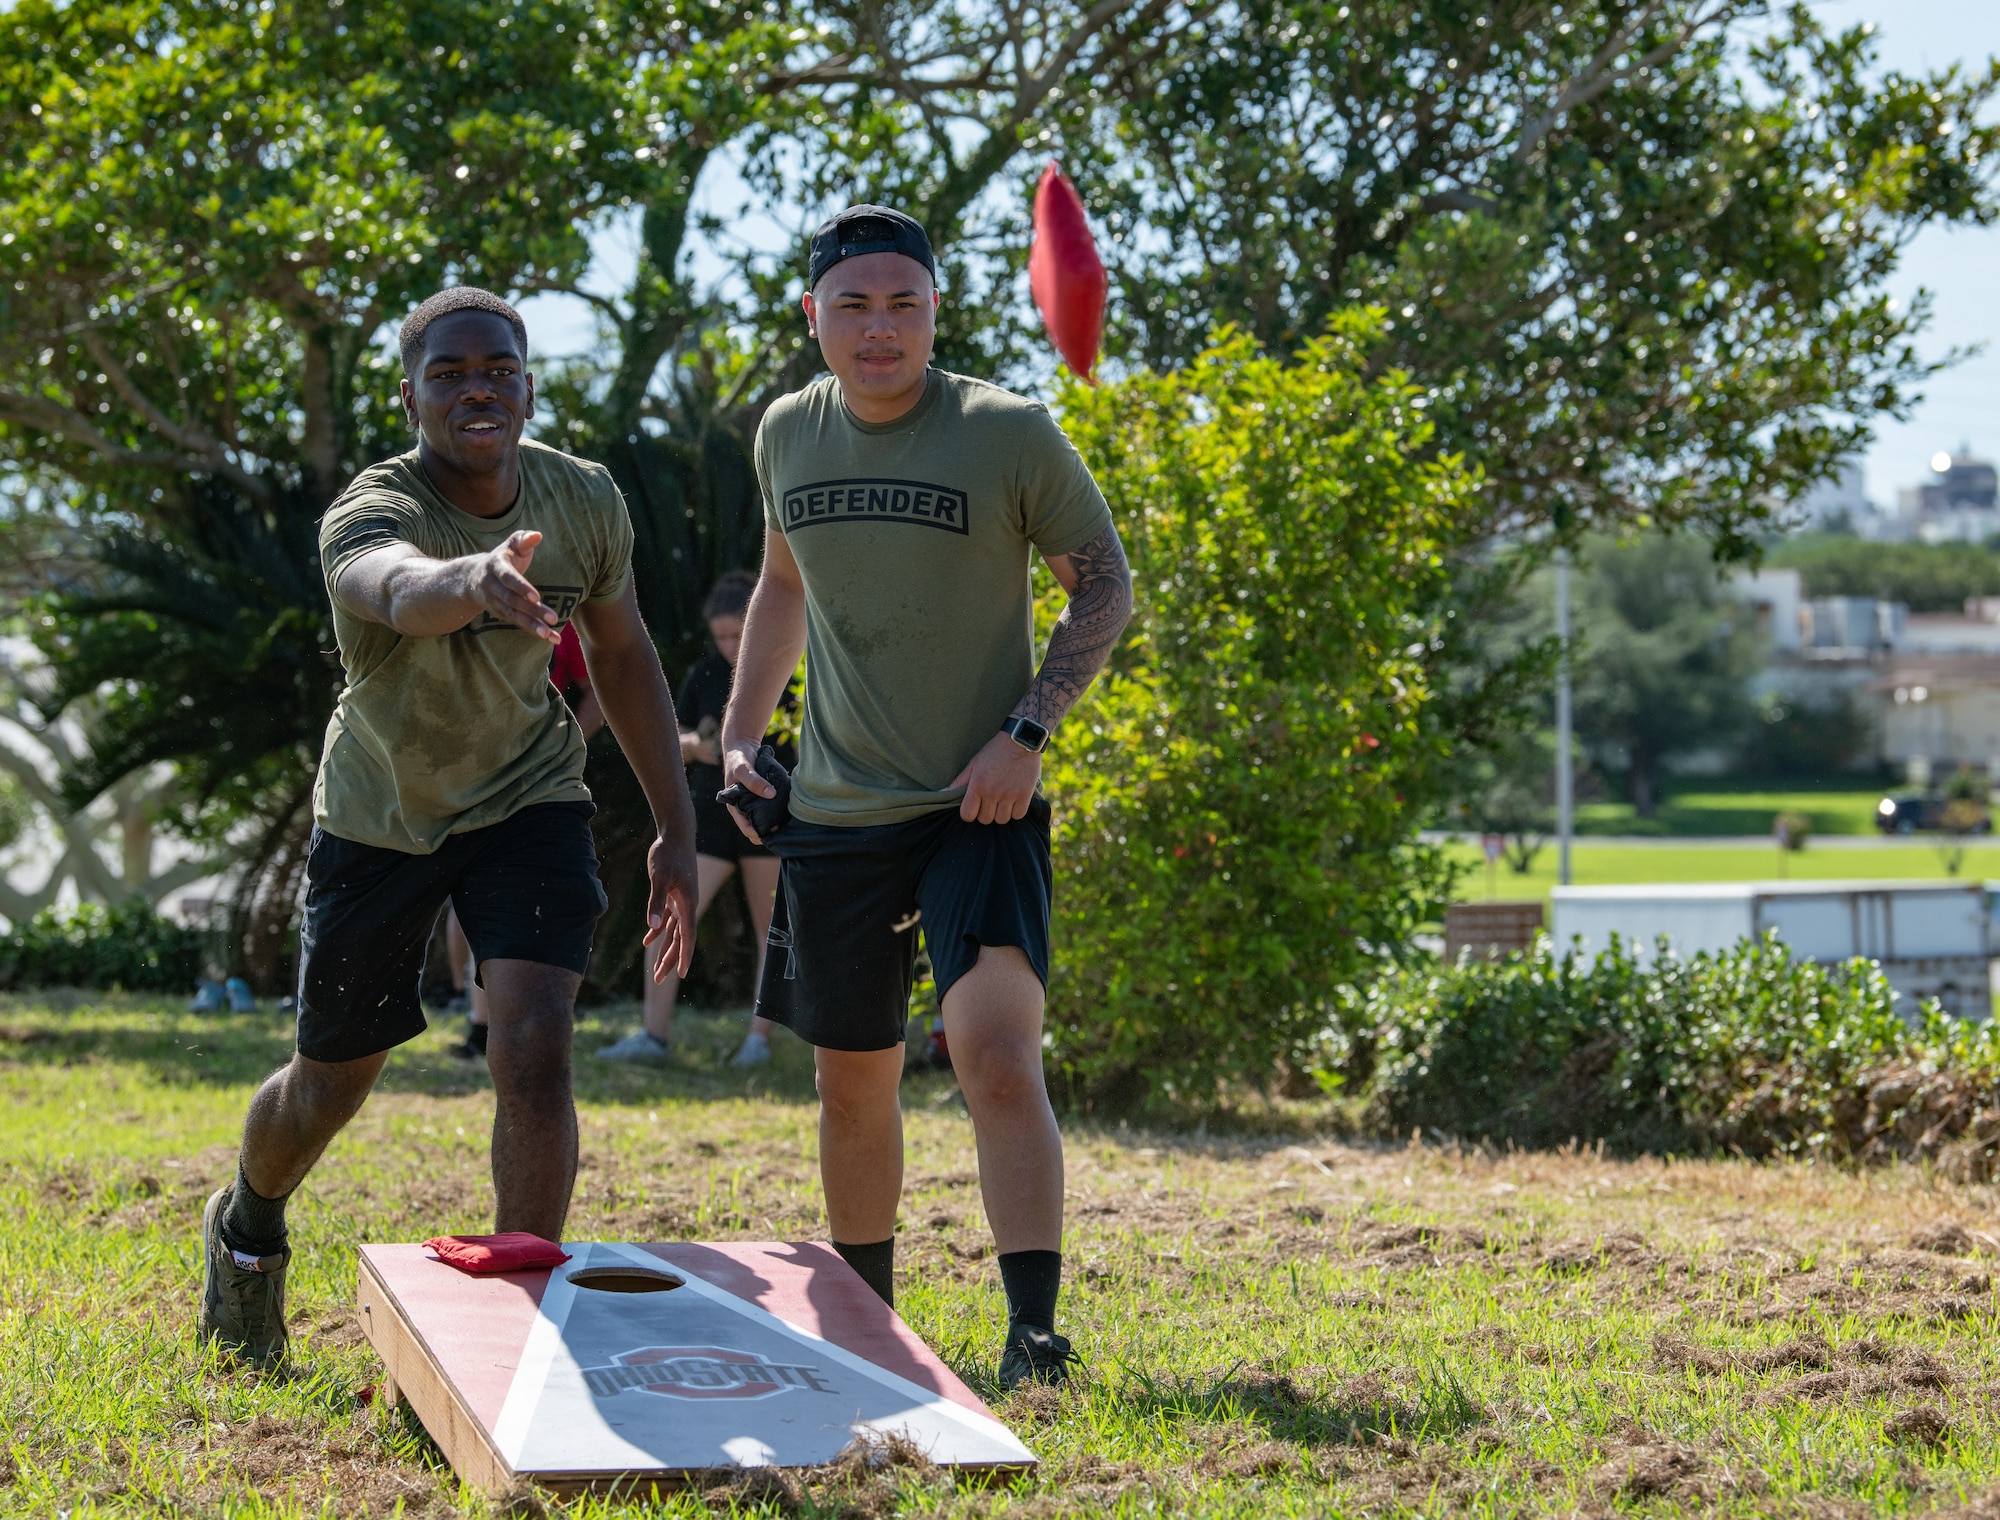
(242, 1297)
(1034, 1355)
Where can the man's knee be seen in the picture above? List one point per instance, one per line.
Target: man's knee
(531, 1011)
(857, 1085)
(999, 1071)
(331, 1091)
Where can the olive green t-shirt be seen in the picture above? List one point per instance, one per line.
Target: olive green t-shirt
(436, 736)
(914, 539)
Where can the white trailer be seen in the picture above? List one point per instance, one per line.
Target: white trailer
(1933, 939)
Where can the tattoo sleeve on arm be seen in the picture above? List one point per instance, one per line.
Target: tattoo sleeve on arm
(1097, 612)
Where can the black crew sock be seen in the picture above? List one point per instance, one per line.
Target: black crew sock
(876, 1263)
(253, 1224)
(475, 1036)
(1031, 1279)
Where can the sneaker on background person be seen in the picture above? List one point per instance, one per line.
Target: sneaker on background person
(473, 1046)
(754, 1051)
(640, 1048)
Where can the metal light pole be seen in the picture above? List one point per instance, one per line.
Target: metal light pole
(1565, 780)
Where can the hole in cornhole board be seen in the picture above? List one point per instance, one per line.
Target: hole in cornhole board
(626, 1280)
(652, 1364)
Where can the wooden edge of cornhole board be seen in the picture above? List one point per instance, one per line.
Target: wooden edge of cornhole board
(451, 1343)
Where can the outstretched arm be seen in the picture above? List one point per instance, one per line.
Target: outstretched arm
(405, 589)
(1000, 781)
(626, 679)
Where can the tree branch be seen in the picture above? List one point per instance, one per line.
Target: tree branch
(1598, 75)
(604, 304)
(194, 439)
(39, 411)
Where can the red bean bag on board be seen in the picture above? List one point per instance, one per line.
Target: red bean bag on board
(1065, 273)
(511, 1251)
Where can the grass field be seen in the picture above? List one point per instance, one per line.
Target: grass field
(1713, 806)
(1607, 863)
(1276, 1325)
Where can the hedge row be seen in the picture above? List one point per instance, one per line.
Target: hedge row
(130, 947)
(1750, 1051)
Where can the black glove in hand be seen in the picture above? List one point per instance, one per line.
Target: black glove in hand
(767, 815)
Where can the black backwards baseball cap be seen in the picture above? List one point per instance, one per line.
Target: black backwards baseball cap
(867, 229)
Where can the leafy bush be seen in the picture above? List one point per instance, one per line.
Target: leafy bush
(129, 946)
(1236, 797)
(1746, 1050)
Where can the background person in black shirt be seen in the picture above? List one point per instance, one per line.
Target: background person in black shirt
(721, 850)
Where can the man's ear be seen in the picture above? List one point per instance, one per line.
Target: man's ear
(811, 309)
(530, 377)
(409, 393)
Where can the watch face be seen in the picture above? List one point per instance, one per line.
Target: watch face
(1029, 733)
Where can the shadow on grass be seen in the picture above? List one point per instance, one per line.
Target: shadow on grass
(1362, 1409)
(58, 1028)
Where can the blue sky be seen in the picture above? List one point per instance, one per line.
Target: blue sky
(1959, 268)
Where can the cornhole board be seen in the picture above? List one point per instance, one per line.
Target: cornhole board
(632, 1365)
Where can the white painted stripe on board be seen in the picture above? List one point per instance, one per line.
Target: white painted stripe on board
(538, 1358)
(983, 1425)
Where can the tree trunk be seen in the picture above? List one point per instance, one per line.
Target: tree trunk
(1645, 783)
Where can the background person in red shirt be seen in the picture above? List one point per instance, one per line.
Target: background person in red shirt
(570, 675)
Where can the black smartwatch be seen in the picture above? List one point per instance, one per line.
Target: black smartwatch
(1027, 733)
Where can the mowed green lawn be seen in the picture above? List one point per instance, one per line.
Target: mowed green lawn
(1597, 863)
(1276, 1324)
(1705, 806)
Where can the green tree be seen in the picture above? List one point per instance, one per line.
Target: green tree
(1635, 253)
(1925, 577)
(1665, 655)
(212, 210)
(1234, 836)
(1508, 788)
(222, 203)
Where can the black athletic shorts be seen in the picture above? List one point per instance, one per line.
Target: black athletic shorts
(841, 957)
(526, 889)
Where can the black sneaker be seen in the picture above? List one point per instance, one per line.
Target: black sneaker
(242, 1297)
(1034, 1355)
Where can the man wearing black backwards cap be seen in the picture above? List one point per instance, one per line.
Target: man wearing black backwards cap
(901, 506)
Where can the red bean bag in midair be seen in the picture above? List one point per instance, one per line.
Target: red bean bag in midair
(1065, 273)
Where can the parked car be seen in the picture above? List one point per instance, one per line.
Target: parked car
(1907, 812)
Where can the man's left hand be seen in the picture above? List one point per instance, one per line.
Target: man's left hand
(670, 904)
(999, 783)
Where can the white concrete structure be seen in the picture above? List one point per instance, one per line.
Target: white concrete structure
(1933, 939)
(1778, 598)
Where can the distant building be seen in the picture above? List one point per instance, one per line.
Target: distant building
(1928, 682)
(1960, 503)
(1778, 599)
(1839, 505)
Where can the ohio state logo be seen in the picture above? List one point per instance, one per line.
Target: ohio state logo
(699, 1372)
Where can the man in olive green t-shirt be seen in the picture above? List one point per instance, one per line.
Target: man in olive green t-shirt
(453, 771)
(902, 507)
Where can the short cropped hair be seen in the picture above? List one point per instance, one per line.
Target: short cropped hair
(457, 298)
(729, 596)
